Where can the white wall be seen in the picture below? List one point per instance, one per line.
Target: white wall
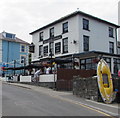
(15, 78)
(48, 78)
(72, 34)
(25, 78)
(0, 51)
(99, 36)
(119, 20)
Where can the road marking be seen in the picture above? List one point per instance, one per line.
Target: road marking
(104, 104)
(18, 85)
(81, 104)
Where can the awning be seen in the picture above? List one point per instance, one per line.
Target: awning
(46, 61)
(23, 67)
(94, 53)
(61, 60)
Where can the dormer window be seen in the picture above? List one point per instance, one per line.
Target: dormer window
(8, 35)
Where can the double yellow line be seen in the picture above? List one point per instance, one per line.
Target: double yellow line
(78, 103)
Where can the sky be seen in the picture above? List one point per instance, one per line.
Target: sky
(24, 16)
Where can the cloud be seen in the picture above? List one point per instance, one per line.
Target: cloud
(24, 16)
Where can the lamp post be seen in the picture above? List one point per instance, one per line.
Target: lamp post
(51, 56)
(24, 64)
(14, 66)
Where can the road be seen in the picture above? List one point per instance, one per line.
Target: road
(18, 101)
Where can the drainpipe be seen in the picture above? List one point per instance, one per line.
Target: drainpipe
(116, 40)
(7, 55)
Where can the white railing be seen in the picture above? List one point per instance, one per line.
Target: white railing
(25, 78)
(48, 78)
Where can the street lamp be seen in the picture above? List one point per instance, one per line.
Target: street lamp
(51, 54)
(14, 66)
(24, 64)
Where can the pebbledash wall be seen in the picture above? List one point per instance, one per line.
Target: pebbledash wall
(98, 33)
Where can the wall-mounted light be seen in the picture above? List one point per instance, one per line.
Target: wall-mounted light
(74, 41)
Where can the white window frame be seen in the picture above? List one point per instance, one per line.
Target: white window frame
(21, 59)
(21, 48)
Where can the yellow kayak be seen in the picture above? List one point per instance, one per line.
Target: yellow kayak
(105, 83)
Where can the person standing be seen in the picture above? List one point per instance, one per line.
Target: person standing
(36, 75)
(48, 69)
(118, 73)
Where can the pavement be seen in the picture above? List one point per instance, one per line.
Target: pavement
(112, 109)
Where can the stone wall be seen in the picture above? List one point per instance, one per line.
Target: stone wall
(88, 88)
(116, 84)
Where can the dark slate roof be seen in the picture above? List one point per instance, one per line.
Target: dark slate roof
(72, 15)
(17, 40)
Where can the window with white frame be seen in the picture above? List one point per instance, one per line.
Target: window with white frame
(52, 32)
(9, 35)
(111, 32)
(51, 48)
(65, 45)
(58, 47)
(22, 59)
(111, 47)
(65, 27)
(45, 49)
(85, 24)
(86, 43)
(23, 48)
(40, 50)
(41, 36)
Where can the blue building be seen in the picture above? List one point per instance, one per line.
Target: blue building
(13, 52)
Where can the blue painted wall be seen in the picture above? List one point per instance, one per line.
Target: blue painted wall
(11, 51)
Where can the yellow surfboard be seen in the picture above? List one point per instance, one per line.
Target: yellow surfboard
(105, 83)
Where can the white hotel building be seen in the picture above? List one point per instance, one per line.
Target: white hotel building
(80, 37)
(119, 28)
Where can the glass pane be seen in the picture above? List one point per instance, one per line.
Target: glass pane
(88, 61)
(88, 66)
(82, 66)
(82, 61)
(118, 60)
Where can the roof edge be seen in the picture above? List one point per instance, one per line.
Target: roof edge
(71, 15)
